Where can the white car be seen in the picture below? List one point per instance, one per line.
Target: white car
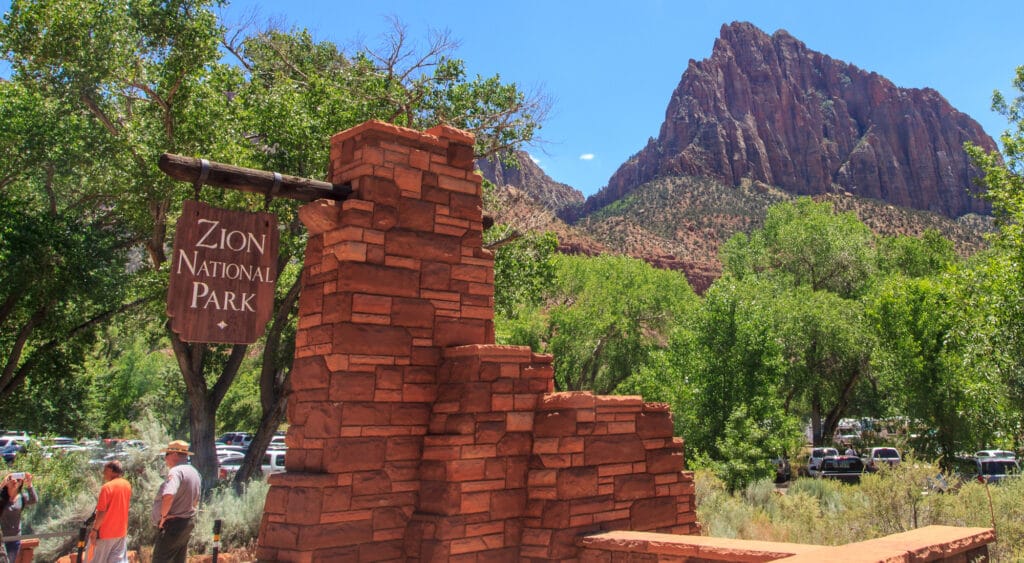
(273, 461)
(886, 455)
(1004, 454)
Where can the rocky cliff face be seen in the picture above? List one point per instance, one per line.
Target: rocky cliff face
(529, 179)
(768, 109)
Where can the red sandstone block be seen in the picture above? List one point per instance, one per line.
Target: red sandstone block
(577, 482)
(545, 445)
(549, 423)
(465, 470)
(649, 514)
(481, 486)
(571, 444)
(323, 420)
(519, 422)
(478, 451)
(489, 431)
(603, 450)
(389, 499)
(402, 262)
(553, 461)
(309, 373)
(371, 482)
(372, 304)
(502, 402)
(615, 469)
(350, 251)
(515, 443)
(363, 318)
(664, 461)
(486, 528)
(636, 486)
(273, 535)
(449, 230)
(370, 363)
(567, 400)
(668, 478)
(419, 159)
(477, 274)
(374, 279)
(375, 255)
(527, 401)
(458, 332)
(335, 535)
(469, 312)
(626, 427)
(542, 478)
(591, 505)
(475, 502)
(310, 320)
(354, 454)
(581, 520)
(387, 395)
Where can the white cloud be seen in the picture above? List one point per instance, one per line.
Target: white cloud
(534, 159)
(587, 156)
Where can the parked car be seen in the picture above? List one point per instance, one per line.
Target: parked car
(11, 451)
(886, 455)
(783, 471)
(817, 455)
(1006, 454)
(994, 469)
(277, 443)
(236, 439)
(229, 456)
(273, 461)
(846, 468)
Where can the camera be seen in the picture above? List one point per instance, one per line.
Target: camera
(19, 475)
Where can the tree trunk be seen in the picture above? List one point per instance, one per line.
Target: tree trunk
(816, 436)
(273, 385)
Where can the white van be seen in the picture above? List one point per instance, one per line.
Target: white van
(273, 461)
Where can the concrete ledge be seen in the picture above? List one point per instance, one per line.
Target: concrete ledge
(931, 543)
(700, 547)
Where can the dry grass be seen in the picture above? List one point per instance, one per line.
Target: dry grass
(827, 512)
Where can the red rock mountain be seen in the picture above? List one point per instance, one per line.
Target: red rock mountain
(768, 109)
(526, 176)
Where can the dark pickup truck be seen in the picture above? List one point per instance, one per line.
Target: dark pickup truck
(846, 468)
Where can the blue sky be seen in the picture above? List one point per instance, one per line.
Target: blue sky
(610, 67)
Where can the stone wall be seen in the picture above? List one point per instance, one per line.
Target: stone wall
(412, 436)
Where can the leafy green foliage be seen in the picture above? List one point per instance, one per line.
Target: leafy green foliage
(605, 316)
(524, 270)
(807, 244)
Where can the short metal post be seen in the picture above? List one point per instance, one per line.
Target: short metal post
(216, 539)
(81, 542)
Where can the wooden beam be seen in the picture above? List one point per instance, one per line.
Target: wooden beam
(188, 169)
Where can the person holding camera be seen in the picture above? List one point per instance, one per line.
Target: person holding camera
(17, 493)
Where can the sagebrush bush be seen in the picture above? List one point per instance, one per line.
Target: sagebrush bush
(826, 512)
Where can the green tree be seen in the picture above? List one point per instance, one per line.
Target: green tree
(998, 297)
(916, 257)
(141, 78)
(815, 264)
(603, 318)
(922, 370)
(806, 244)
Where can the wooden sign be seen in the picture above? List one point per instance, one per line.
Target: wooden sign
(222, 274)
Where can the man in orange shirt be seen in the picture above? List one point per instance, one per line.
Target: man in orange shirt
(109, 538)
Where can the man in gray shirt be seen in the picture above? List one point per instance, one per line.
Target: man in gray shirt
(176, 504)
